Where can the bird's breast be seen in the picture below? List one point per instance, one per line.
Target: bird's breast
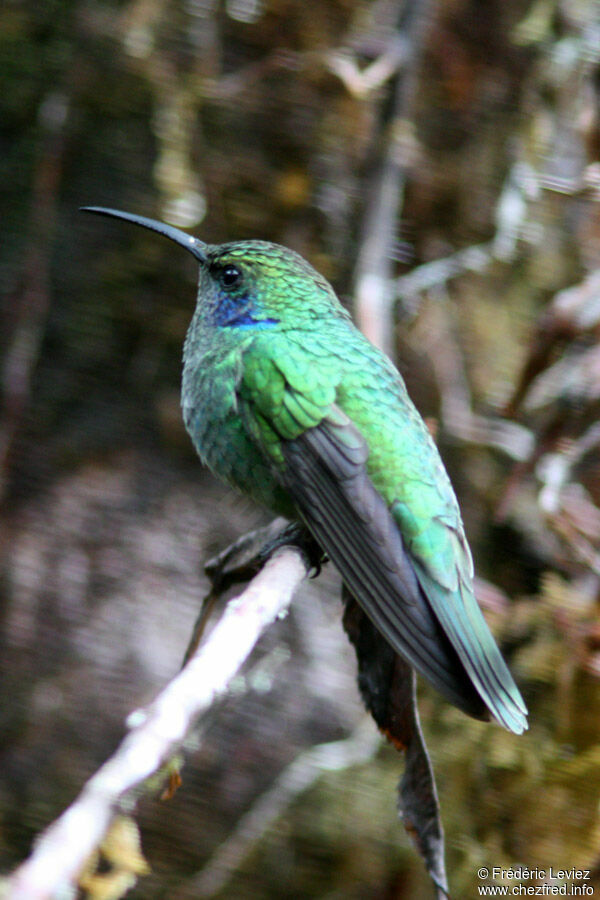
(216, 426)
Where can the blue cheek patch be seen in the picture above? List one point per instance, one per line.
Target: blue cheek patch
(237, 312)
(246, 320)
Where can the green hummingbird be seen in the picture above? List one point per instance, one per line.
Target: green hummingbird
(287, 402)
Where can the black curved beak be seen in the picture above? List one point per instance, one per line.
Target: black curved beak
(196, 247)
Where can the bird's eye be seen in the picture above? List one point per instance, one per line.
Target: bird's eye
(230, 276)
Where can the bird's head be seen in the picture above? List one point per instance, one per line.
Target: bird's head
(248, 284)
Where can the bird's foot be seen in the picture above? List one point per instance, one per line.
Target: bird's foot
(296, 535)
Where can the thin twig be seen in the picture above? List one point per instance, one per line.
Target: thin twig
(158, 731)
(361, 82)
(439, 271)
(554, 470)
(333, 756)
(459, 420)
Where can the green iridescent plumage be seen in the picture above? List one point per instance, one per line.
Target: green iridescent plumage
(286, 401)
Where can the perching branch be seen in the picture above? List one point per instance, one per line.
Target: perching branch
(159, 730)
(279, 557)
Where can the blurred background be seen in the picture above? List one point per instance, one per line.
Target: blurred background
(447, 150)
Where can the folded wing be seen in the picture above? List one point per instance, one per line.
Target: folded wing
(442, 633)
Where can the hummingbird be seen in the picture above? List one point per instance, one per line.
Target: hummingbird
(286, 401)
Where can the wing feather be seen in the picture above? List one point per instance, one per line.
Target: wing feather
(326, 475)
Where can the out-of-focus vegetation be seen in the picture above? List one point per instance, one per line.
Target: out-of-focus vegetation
(262, 118)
